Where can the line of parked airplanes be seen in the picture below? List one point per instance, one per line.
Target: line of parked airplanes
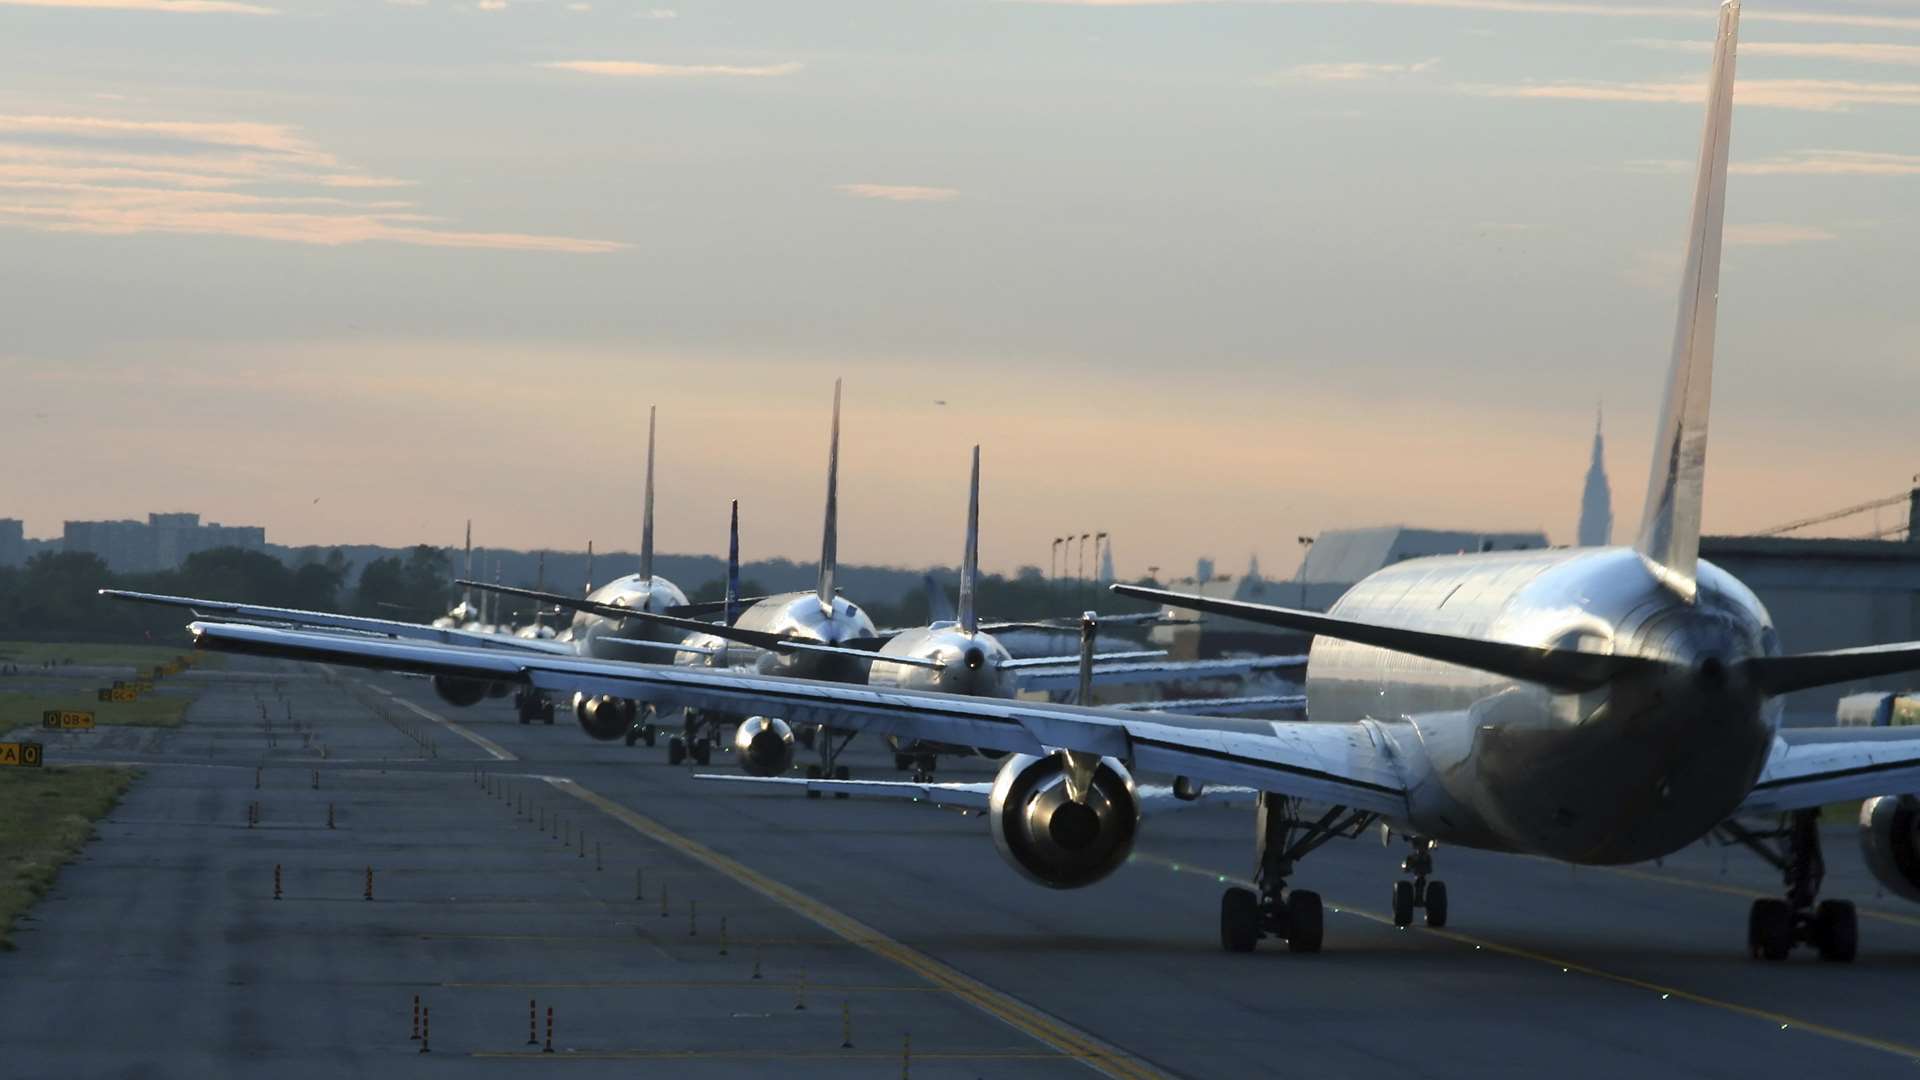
(1594, 705)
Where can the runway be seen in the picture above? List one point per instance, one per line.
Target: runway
(504, 865)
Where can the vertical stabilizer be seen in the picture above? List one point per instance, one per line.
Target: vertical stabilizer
(589, 589)
(732, 613)
(646, 513)
(830, 533)
(540, 585)
(466, 594)
(970, 558)
(1669, 538)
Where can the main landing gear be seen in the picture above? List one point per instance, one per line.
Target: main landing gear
(643, 729)
(1271, 909)
(1774, 927)
(1429, 896)
(830, 744)
(531, 706)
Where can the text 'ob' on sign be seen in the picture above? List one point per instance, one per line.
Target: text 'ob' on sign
(66, 720)
(25, 754)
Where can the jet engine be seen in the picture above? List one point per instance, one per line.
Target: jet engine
(604, 717)
(1052, 839)
(459, 692)
(764, 745)
(1890, 839)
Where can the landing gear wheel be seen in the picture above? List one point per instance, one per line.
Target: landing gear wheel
(1836, 931)
(649, 734)
(1770, 929)
(676, 750)
(813, 773)
(1436, 904)
(841, 772)
(1403, 904)
(633, 736)
(546, 713)
(702, 752)
(521, 708)
(1305, 924)
(1239, 920)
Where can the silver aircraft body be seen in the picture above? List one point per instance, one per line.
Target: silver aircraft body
(1595, 705)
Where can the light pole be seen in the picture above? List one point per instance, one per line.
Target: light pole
(1053, 563)
(1082, 573)
(1300, 575)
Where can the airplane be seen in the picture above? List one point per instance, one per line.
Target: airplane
(1598, 706)
(808, 634)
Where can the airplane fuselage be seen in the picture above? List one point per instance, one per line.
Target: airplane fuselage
(1633, 771)
(655, 594)
(798, 615)
(972, 662)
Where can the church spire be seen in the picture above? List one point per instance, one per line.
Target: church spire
(1596, 501)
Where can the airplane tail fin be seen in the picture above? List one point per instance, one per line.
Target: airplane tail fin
(1669, 537)
(830, 533)
(732, 612)
(589, 589)
(646, 513)
(970, 558)
(466, 596)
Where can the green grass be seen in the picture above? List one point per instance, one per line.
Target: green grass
(46, 816)
(93, 654)
(149, 710)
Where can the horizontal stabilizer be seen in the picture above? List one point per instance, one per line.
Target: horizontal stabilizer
(963, 796)
(697, 650)
(1803, 671)
(561, 600)
(256, 614)
(1558, 669)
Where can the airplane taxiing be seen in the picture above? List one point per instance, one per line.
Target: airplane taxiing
(1594, 705)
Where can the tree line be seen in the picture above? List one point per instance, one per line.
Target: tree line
(55, 596)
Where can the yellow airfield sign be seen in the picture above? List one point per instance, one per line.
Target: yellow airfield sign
(22, 754)
(66, 720)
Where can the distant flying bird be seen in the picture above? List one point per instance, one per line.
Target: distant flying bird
(937, 402)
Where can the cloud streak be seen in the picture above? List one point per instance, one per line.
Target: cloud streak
(1862, 52)
(1702, 13)
(171, 7)
(900, 192)
(1355, 71)
(639, 69)
(1810, 95)
(118, 176)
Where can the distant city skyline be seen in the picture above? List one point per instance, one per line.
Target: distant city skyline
(1206, 277)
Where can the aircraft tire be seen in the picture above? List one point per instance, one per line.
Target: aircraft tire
(701, 751)
(676, 750)
(1770, 929)
(1836, 931)
(1239, 920)
(1436, 904)
(1403, 904)
(649, 734)
(1306, 927)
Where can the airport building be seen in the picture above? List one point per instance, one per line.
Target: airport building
(162, 542)
(13, 541)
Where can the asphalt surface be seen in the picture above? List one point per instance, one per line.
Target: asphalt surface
(162, 951)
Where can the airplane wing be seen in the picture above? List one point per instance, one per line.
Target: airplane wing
(1815, 766)
(1342, 763)
(1295, 704)
(1154, 798)
(358, 624)
(1062, 672)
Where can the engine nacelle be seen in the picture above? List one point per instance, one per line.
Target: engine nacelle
(1890, 839)
(605, 717)
(1050, 838)
(764, 745)
(459, 692)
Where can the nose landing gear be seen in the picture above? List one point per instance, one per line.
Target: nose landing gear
(1775, 926)
(1429, 896)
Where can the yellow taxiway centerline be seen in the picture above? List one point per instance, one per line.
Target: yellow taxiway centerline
(1069, 1041)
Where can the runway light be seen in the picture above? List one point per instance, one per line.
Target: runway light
(1783, 1027)
(1664, 997)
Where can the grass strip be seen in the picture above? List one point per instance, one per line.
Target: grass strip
(46, 817)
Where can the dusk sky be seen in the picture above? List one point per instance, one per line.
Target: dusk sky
(1206, 276)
